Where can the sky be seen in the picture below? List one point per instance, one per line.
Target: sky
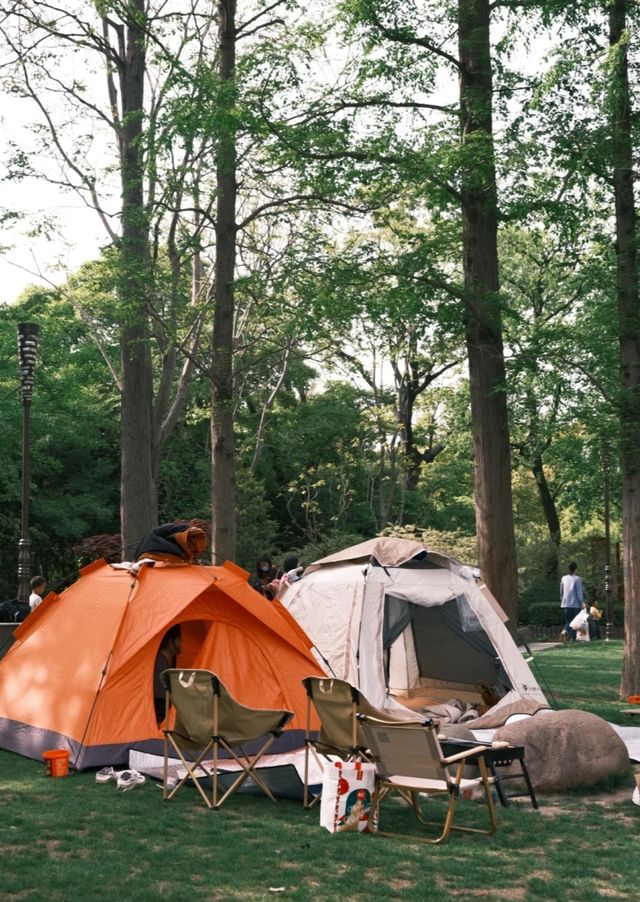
(31, 252)
(47, 258)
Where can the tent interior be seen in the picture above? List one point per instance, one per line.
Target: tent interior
(433, 658)
(435, 650)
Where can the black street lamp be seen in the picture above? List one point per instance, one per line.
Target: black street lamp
(27, 347)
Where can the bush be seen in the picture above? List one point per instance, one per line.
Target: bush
(256, 528)
(539, 591)
(545, 613)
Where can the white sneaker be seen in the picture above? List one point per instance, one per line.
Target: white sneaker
(635, 798)
(130, 778)
(107, 775)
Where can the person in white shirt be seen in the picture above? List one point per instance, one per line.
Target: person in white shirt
(571, 599)
(38, 584)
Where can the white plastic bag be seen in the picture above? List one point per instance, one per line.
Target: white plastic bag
(580, 624)
(346, 796)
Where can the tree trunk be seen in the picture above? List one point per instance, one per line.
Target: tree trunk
(138, 504)
(223, 491)
(494, 511)
(550, 515)
(629, 336)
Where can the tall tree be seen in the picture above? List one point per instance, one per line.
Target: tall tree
(113, 40)
(223, 536)
(391, 93)
(138, 499)
(629, 333)
(487, 377)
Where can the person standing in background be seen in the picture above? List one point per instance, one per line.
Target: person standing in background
(37, 584)
(571, 600)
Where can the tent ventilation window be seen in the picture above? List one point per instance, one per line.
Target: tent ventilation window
(468, 617)
(397, 617)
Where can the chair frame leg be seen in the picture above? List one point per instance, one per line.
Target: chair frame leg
(191, 774)
(307, 801)
(385, 789)
(215, 801)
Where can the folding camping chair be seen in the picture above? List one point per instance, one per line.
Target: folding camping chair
(409, 760)
(209, 720)
(338, 705)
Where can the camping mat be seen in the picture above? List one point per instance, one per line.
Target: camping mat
(283, 773)
(631, 738)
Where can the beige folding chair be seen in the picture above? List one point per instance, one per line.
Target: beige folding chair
(409, 760)
(338, 705)
(209, 720)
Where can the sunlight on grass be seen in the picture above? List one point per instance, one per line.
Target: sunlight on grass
(72, 839)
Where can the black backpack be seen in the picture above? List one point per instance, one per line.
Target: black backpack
(14, 611)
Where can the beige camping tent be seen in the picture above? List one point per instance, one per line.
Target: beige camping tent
(410, 626)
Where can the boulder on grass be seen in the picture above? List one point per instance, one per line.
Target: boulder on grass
(567, 749)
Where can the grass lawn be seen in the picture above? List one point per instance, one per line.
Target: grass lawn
(72, 839)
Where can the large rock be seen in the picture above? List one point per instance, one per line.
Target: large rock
(565, 749)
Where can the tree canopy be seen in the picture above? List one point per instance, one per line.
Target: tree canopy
(366, 267)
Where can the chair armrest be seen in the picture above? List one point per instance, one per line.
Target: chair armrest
(476, 751)
(460, 743)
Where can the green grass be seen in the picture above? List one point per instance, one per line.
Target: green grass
(584, 675)
(73, 839)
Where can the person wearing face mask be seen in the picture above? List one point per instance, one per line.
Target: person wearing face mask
(266, 578)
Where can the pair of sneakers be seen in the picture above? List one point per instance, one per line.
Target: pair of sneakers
(124, 779)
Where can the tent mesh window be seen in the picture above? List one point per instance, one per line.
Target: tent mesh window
(450, 643)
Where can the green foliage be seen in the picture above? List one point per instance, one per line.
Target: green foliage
(349, 288)
(329, 543)
(256, 527)
(74, 439)
(545, 613)
(461, 547)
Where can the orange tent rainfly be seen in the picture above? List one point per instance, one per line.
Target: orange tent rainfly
(80, 673)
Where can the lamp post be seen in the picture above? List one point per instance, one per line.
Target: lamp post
(608, 594)
(27, 347)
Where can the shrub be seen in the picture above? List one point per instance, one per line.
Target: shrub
(540, 591)
(545, 613)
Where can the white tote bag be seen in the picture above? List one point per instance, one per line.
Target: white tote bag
(346, 796)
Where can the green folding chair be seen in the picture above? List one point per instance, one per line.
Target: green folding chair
(337, 704)
(208, 721)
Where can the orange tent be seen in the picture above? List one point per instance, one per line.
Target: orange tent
(80, 673)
